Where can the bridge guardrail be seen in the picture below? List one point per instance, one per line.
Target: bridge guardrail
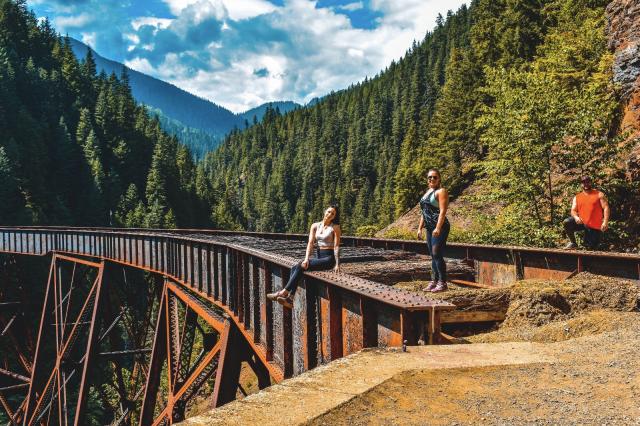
(494, 265)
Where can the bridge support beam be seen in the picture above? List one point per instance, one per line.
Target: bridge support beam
(86, 322)
(16, 338)
(48, 386)
(235, 351)
(181, 315)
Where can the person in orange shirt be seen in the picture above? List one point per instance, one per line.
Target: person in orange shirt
(589, 213)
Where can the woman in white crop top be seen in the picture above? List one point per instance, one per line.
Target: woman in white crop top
(326, 234)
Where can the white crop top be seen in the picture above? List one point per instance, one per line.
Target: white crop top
(325, 236)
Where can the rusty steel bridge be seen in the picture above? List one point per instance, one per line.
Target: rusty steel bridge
(157, 320)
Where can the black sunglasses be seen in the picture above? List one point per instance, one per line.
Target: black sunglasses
(432, 177)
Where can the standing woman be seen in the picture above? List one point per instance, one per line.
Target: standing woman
(434, 204)
(326, 234)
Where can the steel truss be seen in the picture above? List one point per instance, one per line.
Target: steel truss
(16, 339)
(139, 351)
(183, 319)
(89, 341)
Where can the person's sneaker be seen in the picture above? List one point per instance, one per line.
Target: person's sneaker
(273, 296)
(287, 302)
(431, 286)
(441, 286)
(570, 246)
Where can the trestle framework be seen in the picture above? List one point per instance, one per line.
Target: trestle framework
(206, 314)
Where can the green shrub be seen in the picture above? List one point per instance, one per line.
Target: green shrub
(367, 231)
(400, 234)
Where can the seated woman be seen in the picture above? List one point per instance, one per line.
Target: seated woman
(327, 235)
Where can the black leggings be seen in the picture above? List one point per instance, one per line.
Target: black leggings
(436, 247)
(324, 260)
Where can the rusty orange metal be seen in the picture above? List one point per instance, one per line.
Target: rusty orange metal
(333, 316)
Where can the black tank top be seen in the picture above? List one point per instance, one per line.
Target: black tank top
(430, 210)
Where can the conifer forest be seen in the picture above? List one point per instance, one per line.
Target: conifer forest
(513, 100)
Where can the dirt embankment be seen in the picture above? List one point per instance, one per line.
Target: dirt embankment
(545, 311)
(594, 381)
(589, 324)
(548, 311)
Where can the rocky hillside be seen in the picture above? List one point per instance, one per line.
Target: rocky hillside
(623, 31)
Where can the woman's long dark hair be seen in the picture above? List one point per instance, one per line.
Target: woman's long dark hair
(336, 218)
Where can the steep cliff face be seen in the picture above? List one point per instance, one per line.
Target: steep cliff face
(623, 30)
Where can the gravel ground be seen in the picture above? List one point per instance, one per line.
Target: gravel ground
(596, 380)
(590, 325)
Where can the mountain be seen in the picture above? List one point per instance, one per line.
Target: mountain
(76, 148)
(188, 109)
(199, 142)
(198, 123)
(258, 112)
(510, 99)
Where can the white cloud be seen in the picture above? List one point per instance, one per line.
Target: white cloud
(89, 39)
(412, 13)
(176, 6)
(352, 7)
(248, 8)
(241, 53)
(355, 53)
(141, 65)
(237, 9)
(150, 20)
(64, 23)
(300, 51)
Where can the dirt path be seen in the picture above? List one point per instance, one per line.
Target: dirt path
(594, 380)
(303, 398)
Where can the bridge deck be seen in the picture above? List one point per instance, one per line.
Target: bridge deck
(379, 264)
(334, 314)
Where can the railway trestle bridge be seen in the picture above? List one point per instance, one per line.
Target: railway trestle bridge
(144, 323)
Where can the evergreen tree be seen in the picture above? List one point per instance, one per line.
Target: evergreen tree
(12, 206)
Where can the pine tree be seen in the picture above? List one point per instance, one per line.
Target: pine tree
(12, 206)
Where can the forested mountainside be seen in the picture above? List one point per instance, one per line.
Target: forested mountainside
(174, 102)
(75, 148)
(258, 112)
(198, 123)
(199, 141)
(511, 100)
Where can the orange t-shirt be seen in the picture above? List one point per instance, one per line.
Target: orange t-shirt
(589, 209)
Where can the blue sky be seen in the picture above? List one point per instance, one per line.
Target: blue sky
(242, 53)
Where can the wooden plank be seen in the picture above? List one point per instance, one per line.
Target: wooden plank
(471, 316)
(470, 284)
